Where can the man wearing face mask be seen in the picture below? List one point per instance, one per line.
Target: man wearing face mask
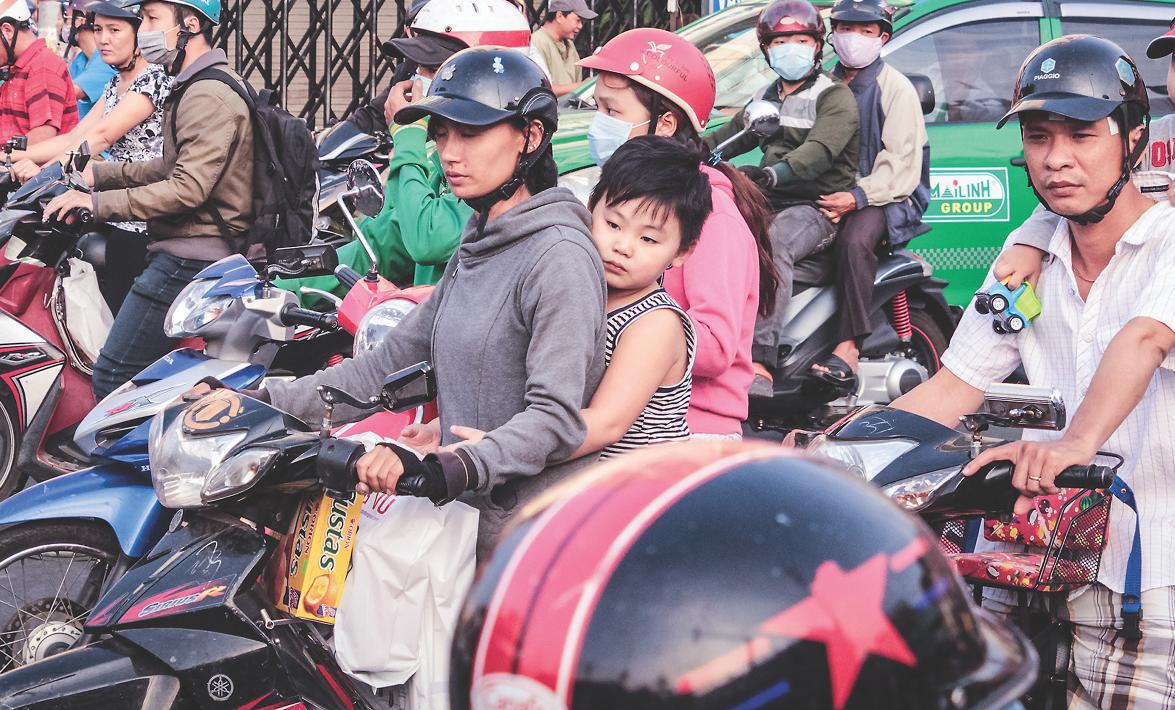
(814, 152)
(894, 185)
(197, 199)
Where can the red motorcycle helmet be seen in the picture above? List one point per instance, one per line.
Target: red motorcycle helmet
(664, 63)
(717, 575)
(789, 17)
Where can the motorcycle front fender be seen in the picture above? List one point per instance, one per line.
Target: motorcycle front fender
(106, 674)
(116, 495)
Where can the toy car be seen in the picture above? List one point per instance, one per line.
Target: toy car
(1011, 311)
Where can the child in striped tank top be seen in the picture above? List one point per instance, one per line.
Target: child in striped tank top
(647, 213)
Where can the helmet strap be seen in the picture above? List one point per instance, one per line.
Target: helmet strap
(10, 45)
(181, 46)
(1129, 159)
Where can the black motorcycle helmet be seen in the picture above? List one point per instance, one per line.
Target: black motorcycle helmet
(114, 8)
(722, 574)
(877, 11)
(483, 86)
(1086, 78)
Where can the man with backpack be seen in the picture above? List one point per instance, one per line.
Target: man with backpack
(197, 199)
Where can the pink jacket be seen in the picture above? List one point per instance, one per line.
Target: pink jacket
(719, 288)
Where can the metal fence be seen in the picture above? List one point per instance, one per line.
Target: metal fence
(325, 56)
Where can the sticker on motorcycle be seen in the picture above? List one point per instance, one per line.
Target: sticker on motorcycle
(181, 599)
(215, 409)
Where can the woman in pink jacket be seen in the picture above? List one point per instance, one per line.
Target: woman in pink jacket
(654, 82)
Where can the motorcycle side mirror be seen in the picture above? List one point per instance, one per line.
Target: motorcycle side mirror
(364, 188)
(409, 388)
(761, 118)
(1024, 406)
(925, 90)
(303, 261)
(82, 158)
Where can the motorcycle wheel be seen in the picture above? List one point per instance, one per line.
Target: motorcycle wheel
(928, 341)
(51, 574)
(11, 479)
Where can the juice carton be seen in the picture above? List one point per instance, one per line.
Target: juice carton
(316, 556)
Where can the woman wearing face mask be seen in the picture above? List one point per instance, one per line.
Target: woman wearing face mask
(654, 82)
(125, 123)
(420, 225)
(515, 327)
(813, 153)
(893, 190)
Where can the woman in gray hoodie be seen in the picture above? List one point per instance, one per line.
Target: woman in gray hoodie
(515, 328)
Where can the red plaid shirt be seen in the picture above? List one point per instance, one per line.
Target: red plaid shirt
(38, 93)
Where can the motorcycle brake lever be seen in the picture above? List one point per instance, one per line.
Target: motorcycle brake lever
(333, 395)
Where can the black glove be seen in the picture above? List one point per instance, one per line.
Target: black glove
(421, 478)
(762, 177)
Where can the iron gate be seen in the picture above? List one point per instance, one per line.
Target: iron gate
(324, 56)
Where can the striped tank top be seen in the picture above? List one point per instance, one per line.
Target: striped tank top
(663, 418)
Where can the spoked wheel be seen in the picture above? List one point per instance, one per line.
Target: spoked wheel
(11, 479)
(51, 575)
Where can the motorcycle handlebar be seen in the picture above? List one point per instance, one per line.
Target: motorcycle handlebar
(338, 462)
(347, 276)
(293, 315)
(1091, 476)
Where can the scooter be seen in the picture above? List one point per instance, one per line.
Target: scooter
(1056, 547)
(911, 322)
(104, 519)
(193, 624)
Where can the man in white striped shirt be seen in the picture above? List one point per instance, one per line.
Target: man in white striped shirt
(1104, 339)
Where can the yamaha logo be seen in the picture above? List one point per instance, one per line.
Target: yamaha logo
(220, 687)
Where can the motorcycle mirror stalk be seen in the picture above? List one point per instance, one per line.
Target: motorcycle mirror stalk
(760, 118)
(403, 390)
(363, 187)
(14, 143)
(1015, 406)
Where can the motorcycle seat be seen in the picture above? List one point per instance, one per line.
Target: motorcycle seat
(819, 269)
(91, 247)
(1063, 536)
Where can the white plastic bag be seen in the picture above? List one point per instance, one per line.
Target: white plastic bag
(87, 317)
(411, 569)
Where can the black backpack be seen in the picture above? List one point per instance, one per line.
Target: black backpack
(285, 171)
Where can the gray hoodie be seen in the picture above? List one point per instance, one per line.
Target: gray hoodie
(515, 330)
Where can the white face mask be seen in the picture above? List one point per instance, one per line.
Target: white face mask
(425, 84)
(855, 50)
(606, 134)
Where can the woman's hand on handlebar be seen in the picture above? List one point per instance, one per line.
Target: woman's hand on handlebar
(379, 470)
(24, 170)
(1037, 465)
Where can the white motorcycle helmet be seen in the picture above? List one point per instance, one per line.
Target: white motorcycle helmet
(487, 22)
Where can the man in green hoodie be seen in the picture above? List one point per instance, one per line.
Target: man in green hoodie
(421, 222)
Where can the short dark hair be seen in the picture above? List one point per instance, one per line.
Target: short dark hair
(663, 174)
(183, 12)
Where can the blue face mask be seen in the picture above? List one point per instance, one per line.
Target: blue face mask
(606, 134)
(792, 61)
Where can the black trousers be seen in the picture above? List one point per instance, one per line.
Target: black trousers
(856, 263)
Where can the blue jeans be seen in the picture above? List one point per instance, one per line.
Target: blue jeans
(136, 339)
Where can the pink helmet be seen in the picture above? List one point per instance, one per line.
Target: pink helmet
(666, 64)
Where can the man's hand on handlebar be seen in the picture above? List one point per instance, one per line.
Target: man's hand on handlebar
(1037, 465)
(64, 206)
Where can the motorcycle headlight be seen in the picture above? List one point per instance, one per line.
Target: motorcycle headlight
(193, 310)
(181, 464)
(914, 493)
(863, 458)
(380, 321)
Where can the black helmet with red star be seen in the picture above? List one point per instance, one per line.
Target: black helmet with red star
(726, 575)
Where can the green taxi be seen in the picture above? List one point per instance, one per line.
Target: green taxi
(971, 52)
